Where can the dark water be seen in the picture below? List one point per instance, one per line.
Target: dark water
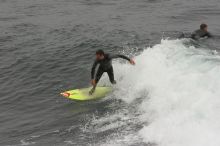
(48, 46)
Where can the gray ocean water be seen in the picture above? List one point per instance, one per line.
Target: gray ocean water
(47, 46)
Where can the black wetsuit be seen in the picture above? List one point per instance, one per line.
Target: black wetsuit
(105, 65)
(200, 34)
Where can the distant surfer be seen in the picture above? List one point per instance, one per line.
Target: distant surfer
(201, 33)
(196, 35)
(105, 65)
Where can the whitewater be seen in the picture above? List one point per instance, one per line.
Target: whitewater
(178, 85)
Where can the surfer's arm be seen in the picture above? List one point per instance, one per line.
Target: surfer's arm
(119, 56)
(123, 57)
(209, 35)
(93, 69)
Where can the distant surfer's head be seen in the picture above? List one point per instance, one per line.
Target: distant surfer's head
(204, 27)
(100, 54)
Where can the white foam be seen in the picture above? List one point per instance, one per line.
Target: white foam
(25, 143)
(182, 104)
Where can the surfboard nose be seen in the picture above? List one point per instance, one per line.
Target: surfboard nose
(65, 94)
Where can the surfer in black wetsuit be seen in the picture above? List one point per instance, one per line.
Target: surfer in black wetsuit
(105, 65)
(201, 33)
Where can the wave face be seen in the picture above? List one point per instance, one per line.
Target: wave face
(178, 85)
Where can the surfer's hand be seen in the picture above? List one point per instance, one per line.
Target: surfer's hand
(132, 62)
(93, 82)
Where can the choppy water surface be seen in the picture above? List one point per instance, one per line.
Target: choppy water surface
(170, 98)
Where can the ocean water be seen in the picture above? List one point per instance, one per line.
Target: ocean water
(169, 98)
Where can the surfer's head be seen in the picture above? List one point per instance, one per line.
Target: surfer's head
(100, 54)
(204, 27)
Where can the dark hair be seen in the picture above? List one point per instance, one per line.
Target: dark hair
(203, 26)
(100, 52)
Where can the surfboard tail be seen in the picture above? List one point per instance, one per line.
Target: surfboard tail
(65, 94)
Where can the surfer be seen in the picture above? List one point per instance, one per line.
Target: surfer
(201, 33)
(105, 65)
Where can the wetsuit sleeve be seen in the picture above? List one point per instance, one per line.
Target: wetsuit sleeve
(195, 36)
(209, 35)
(93, 69)
(119, 56)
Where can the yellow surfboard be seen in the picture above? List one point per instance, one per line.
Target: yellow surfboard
(83, 94)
